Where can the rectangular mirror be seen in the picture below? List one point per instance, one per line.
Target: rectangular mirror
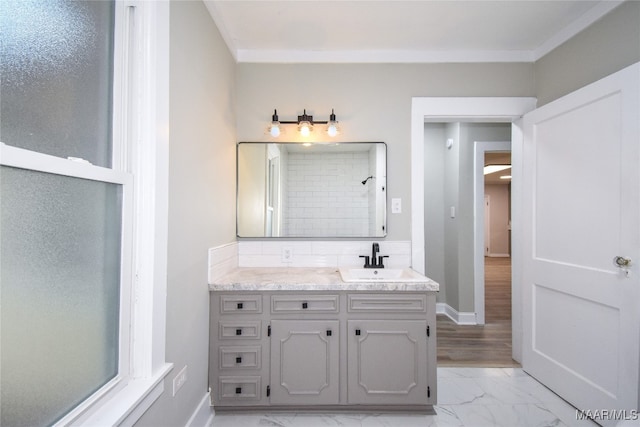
(312, 190)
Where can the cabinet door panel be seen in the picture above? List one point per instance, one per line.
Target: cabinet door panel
(386, 362)
(304, 362)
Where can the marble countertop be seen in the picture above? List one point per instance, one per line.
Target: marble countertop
(306, 279)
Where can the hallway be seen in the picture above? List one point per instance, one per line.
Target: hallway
(486, 345)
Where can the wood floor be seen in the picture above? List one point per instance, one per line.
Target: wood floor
(488, 345)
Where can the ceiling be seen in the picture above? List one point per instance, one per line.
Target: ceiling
(497, 158)
(400, 31)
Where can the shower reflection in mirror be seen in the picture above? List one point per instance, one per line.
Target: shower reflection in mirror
(313, 190)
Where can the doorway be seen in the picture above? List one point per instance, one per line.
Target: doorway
(504, 110)
(459, 164)
(497, 238)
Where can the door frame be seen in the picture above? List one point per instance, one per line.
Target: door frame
(468, 109)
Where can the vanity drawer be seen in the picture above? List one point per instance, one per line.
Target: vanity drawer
(236, 330)
(238, 388)
(365, 303)
(239, 304)
(304, 304)
(233, 357)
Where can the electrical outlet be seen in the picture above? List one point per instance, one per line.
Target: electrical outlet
(179, 380)
(396, 205)
(287, 254)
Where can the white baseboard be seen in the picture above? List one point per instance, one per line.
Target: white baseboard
(492, 255)
(204, 413)
(461, 318)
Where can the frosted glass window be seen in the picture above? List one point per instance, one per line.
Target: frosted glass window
(56, 66)
(60, 243)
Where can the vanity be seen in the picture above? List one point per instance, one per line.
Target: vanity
(321, 338)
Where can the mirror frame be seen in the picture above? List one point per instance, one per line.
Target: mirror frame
(383, 234)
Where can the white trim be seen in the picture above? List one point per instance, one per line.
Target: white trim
(517, 144)
(479, 148)
(148, 157)
(289, 56)
(492, 255)
(26, 159)
(203, 414)
(131, 402)
(460, 318)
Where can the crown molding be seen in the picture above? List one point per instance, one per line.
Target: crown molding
(380, 56)
(290, 56)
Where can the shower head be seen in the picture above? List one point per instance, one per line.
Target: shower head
(368, 178)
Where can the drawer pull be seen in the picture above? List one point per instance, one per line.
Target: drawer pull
(238, 331)
(238, 390)
(305, 305)
(238, 359)
(240, 306)
(357, 331)
(329, 332)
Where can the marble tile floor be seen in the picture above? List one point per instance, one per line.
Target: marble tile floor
(467, 397)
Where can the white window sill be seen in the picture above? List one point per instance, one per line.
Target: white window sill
(131, 402)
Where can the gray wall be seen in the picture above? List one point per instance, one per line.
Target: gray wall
(372, 102)
(434, 213)
(201, 198)
(607, 46)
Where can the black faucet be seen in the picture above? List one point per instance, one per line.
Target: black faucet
(371, 262)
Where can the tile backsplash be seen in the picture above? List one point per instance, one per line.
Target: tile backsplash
(319, 253)
(267, 253)
(222, 260)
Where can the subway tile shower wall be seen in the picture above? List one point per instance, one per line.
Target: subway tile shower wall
(320, 253)
(327, 198)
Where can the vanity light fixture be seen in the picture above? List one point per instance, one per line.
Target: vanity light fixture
(305, 124)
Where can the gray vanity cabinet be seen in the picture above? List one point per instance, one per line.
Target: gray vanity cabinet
(387, 362)
(305, 362)
(331, 349)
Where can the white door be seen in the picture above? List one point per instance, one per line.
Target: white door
(581, 196)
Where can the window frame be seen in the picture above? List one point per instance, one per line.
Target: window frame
(140, 165)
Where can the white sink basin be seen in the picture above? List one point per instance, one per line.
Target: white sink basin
(405, 275)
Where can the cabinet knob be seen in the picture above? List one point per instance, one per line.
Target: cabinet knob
(238, 331)
(238, 390)
(329, 332)
(240, 306)
(305, 305)
(357, 331)
(238, 359)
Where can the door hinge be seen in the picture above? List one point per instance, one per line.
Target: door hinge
(428, 331)
(268, 390)
(428, 392)
(269, 330)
